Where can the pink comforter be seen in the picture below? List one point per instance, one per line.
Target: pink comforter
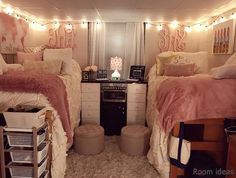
(195, 97)
(49, 85)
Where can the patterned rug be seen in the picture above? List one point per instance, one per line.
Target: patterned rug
(111, 163)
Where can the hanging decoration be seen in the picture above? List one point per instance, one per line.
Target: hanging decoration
(62, 37)
(172, 40)
(12, 33)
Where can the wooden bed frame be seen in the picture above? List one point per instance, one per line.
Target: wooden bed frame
(213, 141)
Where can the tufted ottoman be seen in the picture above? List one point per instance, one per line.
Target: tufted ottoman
(89, 139)
(135, 140)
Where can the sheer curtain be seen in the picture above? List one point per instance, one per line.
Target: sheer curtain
(134, 46)
(129, 45)
(97, 34)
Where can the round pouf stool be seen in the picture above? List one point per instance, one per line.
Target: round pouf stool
(89, 139)
(135, 139)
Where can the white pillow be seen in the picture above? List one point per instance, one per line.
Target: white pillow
(198, 58)
(231, 60)
(15, 67)
(3, 64)
(60, 54)
(225, 71)
(166, 54)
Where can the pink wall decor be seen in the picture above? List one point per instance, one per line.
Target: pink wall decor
(172, 40)
(224, 33)
(12, 33)
(61, 37)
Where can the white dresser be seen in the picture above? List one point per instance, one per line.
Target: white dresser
(136, 103)
(90, 103)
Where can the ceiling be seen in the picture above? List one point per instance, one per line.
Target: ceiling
(124, 10)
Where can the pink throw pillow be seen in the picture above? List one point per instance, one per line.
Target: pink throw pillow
(21, 57)
(179, 70)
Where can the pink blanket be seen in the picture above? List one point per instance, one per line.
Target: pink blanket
(195, 97)
(49, 85)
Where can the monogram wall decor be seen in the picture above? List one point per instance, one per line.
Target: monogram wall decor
(172, 40)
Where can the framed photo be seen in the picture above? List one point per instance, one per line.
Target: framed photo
(85, 75)
(223, 39)
(137, 72)
(102, 74)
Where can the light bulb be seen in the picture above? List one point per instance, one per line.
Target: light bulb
(206, 28)
(199, 27)
(188, 29)
(56, 24)
(174, 24)
(84, 24)
(214, 23)
(160, 27)
(222, 19)
(233, 16)
(148, 25)
(69, 27)
(8, 10)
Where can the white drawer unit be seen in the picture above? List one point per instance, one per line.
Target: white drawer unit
(90, 103)
(136, 103)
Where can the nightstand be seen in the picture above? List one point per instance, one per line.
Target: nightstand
(136, 103)
(90, 103)
(113, 104)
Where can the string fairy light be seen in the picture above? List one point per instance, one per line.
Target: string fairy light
(174, 24)
(188, 29)
(42, 24)
(159, 27)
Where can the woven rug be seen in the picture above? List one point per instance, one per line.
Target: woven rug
(111, 163)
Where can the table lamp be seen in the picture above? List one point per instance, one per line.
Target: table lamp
(116, 64)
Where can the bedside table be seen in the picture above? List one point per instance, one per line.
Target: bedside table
(90, 103)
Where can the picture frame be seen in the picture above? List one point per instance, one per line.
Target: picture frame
(137, 72)
(85, 75)
(223, 39)
(102, 74)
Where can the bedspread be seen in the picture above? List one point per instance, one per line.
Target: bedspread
(59, 139)
(196, 97)
(49, 85)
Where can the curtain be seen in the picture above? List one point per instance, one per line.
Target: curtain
(97, 33)
(134, 47)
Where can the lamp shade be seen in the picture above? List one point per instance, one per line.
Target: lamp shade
(116, 63)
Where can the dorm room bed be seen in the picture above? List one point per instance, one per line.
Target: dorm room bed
(164, 101)
(61, 128)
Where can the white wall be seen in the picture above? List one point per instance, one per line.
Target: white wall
(195, 41)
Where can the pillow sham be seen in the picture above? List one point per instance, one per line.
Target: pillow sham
(3, 64)
(162, 59)
(51, 67)
(35, 49)
(62, 54)
(224, 72)
(179, 70)
(200, 59)
(22, 56)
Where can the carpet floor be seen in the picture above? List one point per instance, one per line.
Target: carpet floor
(111, 163)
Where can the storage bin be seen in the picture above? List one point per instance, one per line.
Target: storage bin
(27, 172)
(25, 139)
(30, 117)
(27, 157)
